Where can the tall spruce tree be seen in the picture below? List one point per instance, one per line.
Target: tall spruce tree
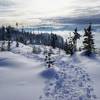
(53, 40)
(69, 46)
(2, 46)
(17, 43)
(75, 38)
(3, 33)
(8, 36)
(49, 60)
(88, 41)
(66, 47)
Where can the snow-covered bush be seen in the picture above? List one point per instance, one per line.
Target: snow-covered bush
(36, 50)
(2, 48)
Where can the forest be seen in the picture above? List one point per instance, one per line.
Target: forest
(11, 34)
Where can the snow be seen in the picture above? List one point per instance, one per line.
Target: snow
(25, 76)
(92, 66)
(49, 73)
(71, 81)
(19, 77)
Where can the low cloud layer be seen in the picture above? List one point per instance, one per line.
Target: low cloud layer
(51, 12)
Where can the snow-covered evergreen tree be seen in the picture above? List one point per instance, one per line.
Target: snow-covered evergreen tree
(2, 46)
(69, 46)
(66, 47)
(34, 49)
(17, 43)
(88, 41)
(9, 46)
(53, 40)
(49, 60)
(75, 38)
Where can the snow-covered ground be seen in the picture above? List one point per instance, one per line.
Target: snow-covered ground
(19, 77)
(76, 79)
(24, 76)
(92, 66)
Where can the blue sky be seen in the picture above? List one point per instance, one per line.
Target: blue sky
(34, 12)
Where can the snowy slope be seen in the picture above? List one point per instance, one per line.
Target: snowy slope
(25, 76)
(72, 81)
(19, 77)
(92, 66)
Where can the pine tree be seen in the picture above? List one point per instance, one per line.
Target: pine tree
(9, 46)
(3, 33)
(66, 47)
(2, 46)
(53, 40)
(88, 41)
(17, 43)
(8, 36)
(8, 33)
(69, 46)
(34, 50)
(75, 38)
(49, 61)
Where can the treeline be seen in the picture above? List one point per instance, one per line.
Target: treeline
(70, 45)
(13, 34)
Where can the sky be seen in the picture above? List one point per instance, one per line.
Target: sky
(36, 12)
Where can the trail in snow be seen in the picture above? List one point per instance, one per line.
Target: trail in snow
(70, 82)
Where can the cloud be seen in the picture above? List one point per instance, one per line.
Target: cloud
(7, 8)
(51, 12)
(95, 19)
(6, 3)
(86, 11)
